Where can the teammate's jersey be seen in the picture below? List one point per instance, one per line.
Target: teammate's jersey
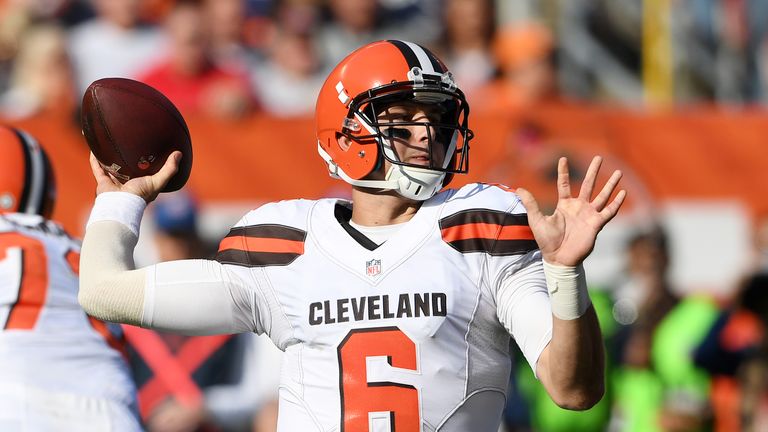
(47, 342)
(406, 336)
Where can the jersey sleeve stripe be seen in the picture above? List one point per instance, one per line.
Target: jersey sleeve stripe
(255, 244)
(269, 231)
(494, 248)
(484, 216)
(487, 231)
(261, 245)
(493, 232)
(515, 232)
(255, 259)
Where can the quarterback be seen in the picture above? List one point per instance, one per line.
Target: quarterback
(395, 309)
(60, 370)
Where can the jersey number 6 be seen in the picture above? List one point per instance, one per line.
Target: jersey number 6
(368, 404)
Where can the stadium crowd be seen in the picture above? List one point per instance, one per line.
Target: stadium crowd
(676, 361)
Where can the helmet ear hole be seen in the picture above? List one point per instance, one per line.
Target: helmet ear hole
(344, 141)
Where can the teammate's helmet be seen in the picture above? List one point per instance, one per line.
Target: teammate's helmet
(27, 184)
(367, 81)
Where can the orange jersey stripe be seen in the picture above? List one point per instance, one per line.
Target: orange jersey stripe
(259, 244)
(516, 232)
(488, 231)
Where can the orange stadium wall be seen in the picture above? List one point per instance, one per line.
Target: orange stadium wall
(704, 154)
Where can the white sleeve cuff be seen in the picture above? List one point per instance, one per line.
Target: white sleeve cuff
(122, 207)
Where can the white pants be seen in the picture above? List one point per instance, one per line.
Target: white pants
(30, 409)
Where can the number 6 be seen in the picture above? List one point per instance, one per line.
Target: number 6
(365, 405)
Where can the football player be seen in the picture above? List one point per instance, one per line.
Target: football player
(395, 309)
(60, 369)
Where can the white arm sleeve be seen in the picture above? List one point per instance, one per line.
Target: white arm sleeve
(193, 296)
(198, 297)
(523, 306)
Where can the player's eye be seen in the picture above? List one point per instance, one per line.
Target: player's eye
(396, 133)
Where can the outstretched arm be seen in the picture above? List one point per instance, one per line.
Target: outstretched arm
(190, 296)
(572, 366)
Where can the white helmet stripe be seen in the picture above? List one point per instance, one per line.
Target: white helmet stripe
(424, 61)
(35, 186)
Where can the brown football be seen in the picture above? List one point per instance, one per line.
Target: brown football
(132, 128)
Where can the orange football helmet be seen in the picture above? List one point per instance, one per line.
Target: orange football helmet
(381, 75)
(27, 184)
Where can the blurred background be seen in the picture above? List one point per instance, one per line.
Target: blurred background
(673, 93)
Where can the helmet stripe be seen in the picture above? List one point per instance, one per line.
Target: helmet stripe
(427, 66)
(407, 52)
(31, 201)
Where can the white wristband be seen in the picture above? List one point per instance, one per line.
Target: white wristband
(567, 288)
(123, 207)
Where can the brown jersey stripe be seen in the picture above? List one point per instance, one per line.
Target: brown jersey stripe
(255, 259)
(269, 231)
(483, 216)
(257, 244)
(494, 248)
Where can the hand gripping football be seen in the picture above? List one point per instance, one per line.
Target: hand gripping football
(132, 128)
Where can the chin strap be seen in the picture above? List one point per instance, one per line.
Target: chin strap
(418, 184)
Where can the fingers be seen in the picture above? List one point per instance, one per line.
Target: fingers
(602, 198)
(171, 165)
(99, 173)
(531, 206)
(588, 185)
(563, 179)
(96, 168)
(613, 208)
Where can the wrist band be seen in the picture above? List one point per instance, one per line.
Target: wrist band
(567, 288)
(123, 207)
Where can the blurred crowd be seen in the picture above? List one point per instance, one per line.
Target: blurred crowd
(676, 362)
(229, 57)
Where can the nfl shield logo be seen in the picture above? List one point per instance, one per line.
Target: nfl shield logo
(373, 267)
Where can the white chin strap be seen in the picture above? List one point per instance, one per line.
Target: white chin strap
(418, 184)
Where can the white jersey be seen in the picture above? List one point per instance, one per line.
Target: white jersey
(47, 342)
(411, 335)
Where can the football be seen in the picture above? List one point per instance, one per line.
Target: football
(132, 128)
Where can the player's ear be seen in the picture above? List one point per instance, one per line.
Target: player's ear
(344, 141)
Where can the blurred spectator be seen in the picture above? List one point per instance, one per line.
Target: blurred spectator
(289, 79)
(468, 30)
(236, 390)
(188, 76)
(354, 23)
(656, 384)
(760, 260)
(735, 352)
(225, 21)
(523, 53)
(114, 44)
(41, 79)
